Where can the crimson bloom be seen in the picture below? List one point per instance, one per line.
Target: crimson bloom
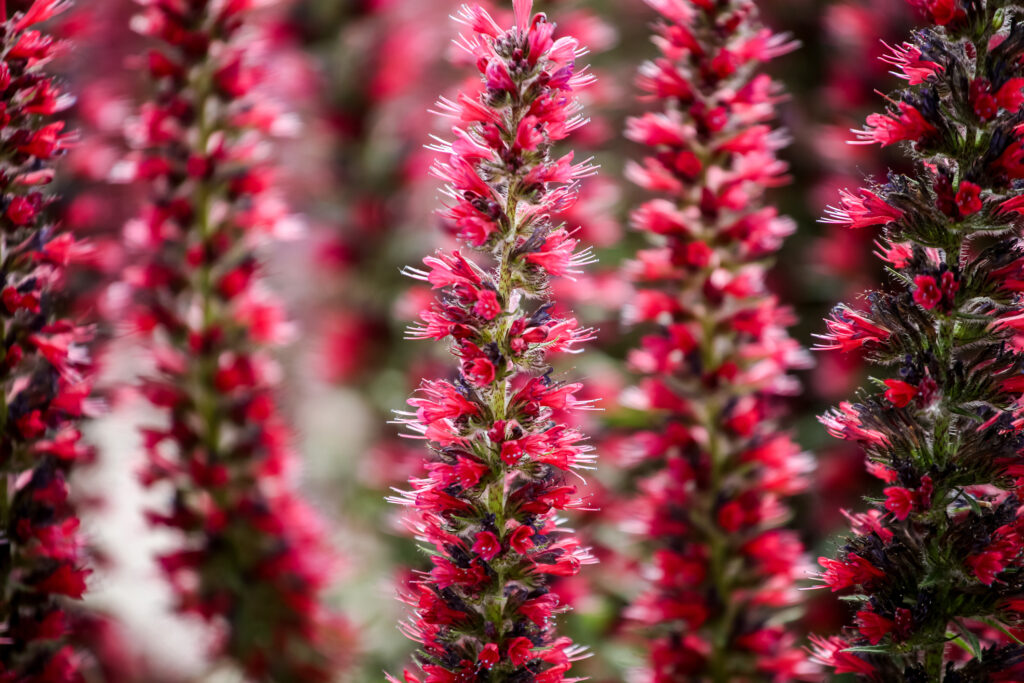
(501, 447)
(715, 357)
(941, 552)
(252, 557)
(45, 368)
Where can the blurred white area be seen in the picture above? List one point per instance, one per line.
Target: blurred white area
(130, 587)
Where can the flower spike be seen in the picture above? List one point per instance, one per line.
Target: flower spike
(933, 571)
(45, 369)
(502, 451)
(253, 560)
(716, 465)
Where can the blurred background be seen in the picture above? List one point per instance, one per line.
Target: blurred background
(360, 77)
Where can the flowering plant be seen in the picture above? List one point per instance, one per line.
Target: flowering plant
(253, 559)
(934, 568)
(45, 368)
(501, 447)
(716, 467)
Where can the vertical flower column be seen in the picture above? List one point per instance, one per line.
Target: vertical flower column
(252, 559)
(715, 467)
(501, 449)
(45, 369)
(933, 571)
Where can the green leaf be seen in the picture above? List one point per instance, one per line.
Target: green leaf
(875, 649)
(972, 645)
(998, 626)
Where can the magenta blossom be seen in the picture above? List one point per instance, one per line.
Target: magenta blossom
(502, 449)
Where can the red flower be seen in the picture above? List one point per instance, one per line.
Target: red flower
(487, 545)
(890, 128)
(487, 305)
(66, 580)
(46, 370)
(986, 566)
(223, 451)
(715, 336)
(865, 209)
(488, 656)
(927, 292)
(503, 327)
(873, 626)
(907, 58)
(852, 571)
(968, 198)
(830, 652)
(519, 651)
(899, 501)
(480, 371)
(899, 393)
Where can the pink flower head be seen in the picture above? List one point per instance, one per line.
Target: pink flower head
(229, 471)
(501, 423)
(907, 58)
(888, 129)
(712, 334)
(862, 210)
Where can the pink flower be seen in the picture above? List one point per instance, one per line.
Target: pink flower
(862, 210)
(889, 128)
(712, 329)
(505, 187)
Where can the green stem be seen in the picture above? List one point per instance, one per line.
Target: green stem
(498, 504)
(207, 399)
(933, 663)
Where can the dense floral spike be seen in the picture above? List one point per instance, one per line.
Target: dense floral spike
(716, 467)
(253, 561)
(45, 367)
(488, 504)
(934, 569)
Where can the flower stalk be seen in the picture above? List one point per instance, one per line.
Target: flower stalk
(715, 466)
(933, 569)
(45, 367)
(253, 561)
(501, 447)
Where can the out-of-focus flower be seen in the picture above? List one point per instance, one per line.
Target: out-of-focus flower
(45, 368)
(253, 559)
(718, 361)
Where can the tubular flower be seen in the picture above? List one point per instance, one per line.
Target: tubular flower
(501, 446)
(45, 369)
(940, 555)
(718, 360)
(253, 560)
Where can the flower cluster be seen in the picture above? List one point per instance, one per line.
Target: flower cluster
(252, 560)
(502, 450)
(715, 466)
(934, 567)
(45, 367)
